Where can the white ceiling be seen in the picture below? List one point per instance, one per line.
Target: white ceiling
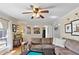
(15, 10)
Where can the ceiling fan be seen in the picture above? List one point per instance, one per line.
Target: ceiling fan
(36, 11)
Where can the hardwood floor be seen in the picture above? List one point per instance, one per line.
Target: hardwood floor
(15, 51)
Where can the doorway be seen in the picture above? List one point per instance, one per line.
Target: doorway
(44, 33)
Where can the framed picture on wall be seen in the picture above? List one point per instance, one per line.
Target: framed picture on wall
(28, 30)
(36, 30)
(68, 28)
(14, 27)
(75, 27)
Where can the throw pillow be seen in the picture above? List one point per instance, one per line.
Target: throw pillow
(59, 42)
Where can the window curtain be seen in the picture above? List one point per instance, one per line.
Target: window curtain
(4, 24)
(3, 27)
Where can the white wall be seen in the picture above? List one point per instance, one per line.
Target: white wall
(64, 20)
(49, 31)
(32, 33)
(56, 33)
(9, 36)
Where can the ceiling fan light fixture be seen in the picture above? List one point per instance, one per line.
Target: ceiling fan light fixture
(34, 15)
(37, 15)
(37, 12)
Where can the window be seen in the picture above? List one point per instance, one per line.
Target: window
(1, 25)
(3, 34)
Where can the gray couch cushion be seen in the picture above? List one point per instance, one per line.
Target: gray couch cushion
(47, 40)
(40, 43)
(36, 40)
(36, 46)
(72, 45)
(63, 51)
(48, 46)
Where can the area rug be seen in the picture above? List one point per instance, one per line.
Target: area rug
(30, 52)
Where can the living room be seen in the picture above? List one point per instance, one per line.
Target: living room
(42, 34)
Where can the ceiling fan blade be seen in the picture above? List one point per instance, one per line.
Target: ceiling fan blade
(26, 12)
(44, 11)
(41, 16)
(31, 6)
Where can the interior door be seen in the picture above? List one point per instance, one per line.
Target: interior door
(44, 33)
